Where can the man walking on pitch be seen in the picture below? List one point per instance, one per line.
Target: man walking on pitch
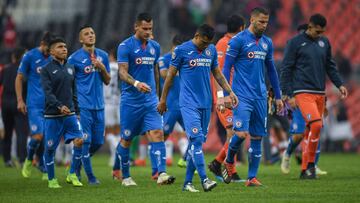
(194, 60)
(250, 52)
(308, 57)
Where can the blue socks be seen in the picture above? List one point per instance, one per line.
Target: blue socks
(254, 158)
(234, 145)
(317, 156)
(190, 169)
(49, 162)
(116, 165)
(76, 159)
(158, 153)
(32, 147)
(197, 156)
(87, 161)
(123, 155)
(292, 146)
(153, 159)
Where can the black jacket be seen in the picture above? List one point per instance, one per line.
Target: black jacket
(59, 86)
(305, 65)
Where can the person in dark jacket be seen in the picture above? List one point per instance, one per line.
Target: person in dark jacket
(61, 111)
(307, 61)
(12, 118)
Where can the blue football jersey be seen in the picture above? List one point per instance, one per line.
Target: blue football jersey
(194, 71)
(30, 66)
(250, 55)
(88, 78)
(141, 59)
(172, 99)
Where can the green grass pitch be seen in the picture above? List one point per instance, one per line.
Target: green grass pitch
(342, 184)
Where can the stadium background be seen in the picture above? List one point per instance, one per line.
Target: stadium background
(22, 23)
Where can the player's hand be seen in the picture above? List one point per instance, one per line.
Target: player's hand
(162, 108)
(98, 64)
(21, 106)
(234, 100)
(343, 91)
(143, 87)
(279, 105)
(292, 102)
(65, 110)
(220, 104)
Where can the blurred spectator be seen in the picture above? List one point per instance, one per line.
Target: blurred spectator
(9, 36)
(344, 66)
(12, 119)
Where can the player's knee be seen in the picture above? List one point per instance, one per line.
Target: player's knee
(125, 143)
(297, 137)
(316, 126)
(38, 137)
(157, 135)
(78, 142)
(242, 135)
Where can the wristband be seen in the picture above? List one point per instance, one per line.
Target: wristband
(136, 83)
(220, 94)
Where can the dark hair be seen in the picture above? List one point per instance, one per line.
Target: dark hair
(47, 37)
(302, 27)
(259, 10)
(318, 19)
(234, 22)
(56, 40)
(206, 30)
(177, 39)
(85, 26)
(17, 53)
(143, 16)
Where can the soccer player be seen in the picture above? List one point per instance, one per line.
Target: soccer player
(195, 60)
(91, 72)
(308, 57)
(58, 82)
(30, 68)
(250, 52)
(173, 115)
(235, 24)
(137, 57)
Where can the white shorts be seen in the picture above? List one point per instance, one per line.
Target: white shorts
(112, 115)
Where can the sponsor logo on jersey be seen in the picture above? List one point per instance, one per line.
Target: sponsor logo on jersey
(89, 69)
(257, 55)
(145, 60)
(200, 62)
(321, 43)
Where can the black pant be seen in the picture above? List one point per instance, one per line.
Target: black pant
(13, 119)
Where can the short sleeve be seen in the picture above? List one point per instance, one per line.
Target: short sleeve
(234, 47)
(123, 53)
(106, 63)
(157, 50)
(161, 63)
(176, 58)
(25, 64)
(214, 63)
